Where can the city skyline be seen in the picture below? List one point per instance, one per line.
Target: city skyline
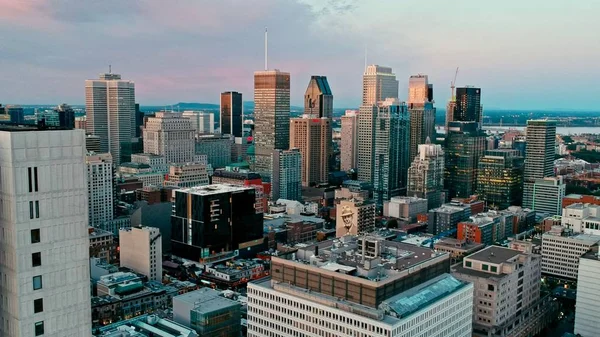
(154, 52)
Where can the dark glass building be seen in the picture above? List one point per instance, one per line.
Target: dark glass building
(66, 116)
(465, 145)
(468, 105)
(231, 117)
(215, 219)
(16, 113)
(500, 178)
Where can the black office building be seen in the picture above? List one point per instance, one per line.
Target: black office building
(231, 117)
(468, 105)
(464, 146)
(214, 219)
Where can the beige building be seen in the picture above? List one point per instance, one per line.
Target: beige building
(457, 248)
(349, 141)
(354, 217)
(101, 193)
(309, 135)
(405, 208)
(187, 175)
(170, 135)
(379, 83)
(419, 89)
(507, 289)
(562, 249)
(141, 250)
(426, 174)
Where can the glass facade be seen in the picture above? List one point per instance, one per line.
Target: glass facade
(465, 145)
(500, 178)
(231, 118)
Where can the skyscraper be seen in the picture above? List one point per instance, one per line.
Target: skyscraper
(231, 117)
(500, 178)
(422, 125)
(170, 135)
(379, 83)
(310, 136)
(391, 150)
(465, 145)
(101, 189)
(426, 174)
(15, 114)
(110, 111)
(548, 194)
(539, 158)
(419, 89)
(349, 142)
(468, 105)
(45, 243)
(286, 181)
(271, 117)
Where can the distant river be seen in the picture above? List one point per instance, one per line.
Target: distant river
(561, 130)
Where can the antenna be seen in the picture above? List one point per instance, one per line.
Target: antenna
(109, 69)
(453, 85)
(266, 49)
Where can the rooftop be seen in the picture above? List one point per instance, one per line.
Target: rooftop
(214, 189)
(145, 326)
(8, 127)
(494, 254)
(206, 300)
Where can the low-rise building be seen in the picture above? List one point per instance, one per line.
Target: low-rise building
(562, 249)
(405, 208)
(354, 217)
(145, 326)
(141, 251)
(457, 248)
(486, 228)
(548, 194)
(446, 217)
(354, 189)
(102, 244)
(580, 198)
(507, 298)
(582, 218)
(187, 175)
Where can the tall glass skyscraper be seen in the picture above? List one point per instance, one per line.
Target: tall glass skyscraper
(468, 105)
(539, 159)
(500, 178)
(231, 117)
(465, 145)
(271, 117)
(422, 112)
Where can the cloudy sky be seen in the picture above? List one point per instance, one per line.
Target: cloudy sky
(528, 54)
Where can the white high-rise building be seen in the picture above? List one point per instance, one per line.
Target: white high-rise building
(548, 194)
(44, 269)
(286, 177)
(349, 142)
(539, 156)
(171, 136)
(101, 188)
(110, 112)
(141, 250)
(202, 122)
(587, 314)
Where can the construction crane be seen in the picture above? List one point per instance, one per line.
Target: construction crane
(453, 84)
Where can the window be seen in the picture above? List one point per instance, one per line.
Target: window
(31, 210)
(484, 267)
(38, 305)
(36, 259)
(39, 328)
(37, 282)
(468, 264)
(490, 287)
(35, 235)
(37, 209)
(494, 269)
(35, 178)
(29, 176)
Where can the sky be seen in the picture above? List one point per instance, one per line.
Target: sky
(532, 54)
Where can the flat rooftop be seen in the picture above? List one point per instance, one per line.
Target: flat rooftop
(206, 300)
(494, 254)
(214, 189)
(29, 127)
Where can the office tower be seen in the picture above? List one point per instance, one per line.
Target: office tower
(212, 219)
(366, 142)
(186, 175)
(44, 207)
(562, 249)
(14, 114)
(271, 117)
(520, 143)
(101, 189)
(465, 145)
(582, 218)
(286, 182)
(355, 290)
(405, 208)
(110, 112)
(349, 142)
(539, 157)
(379, 83)
(231, 117)
(141, 251)
(355, 217)
(312, 137)
(508, 289)
(171, 136)
(426, 174)
(62, 116)
(422, 125)
(450, 107)
(548, 194)
(419, 90)
(391, 150)
(139, 121)
(202, 122)
(318, 99)
(208, 312)
(500, 178)
(92, 143)
(587, 315)
(468, 105)
(217, 149)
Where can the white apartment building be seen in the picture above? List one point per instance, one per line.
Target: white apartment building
(587, 314)
(562, 249)
(187, 175)
(405, 208)
(582, 218)
(44, 244)
(141, 250)
(349, 141)
(170, 135)
(202, 122)
(100, 186)
(548, 194)
(110, 114)
(507, 286)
